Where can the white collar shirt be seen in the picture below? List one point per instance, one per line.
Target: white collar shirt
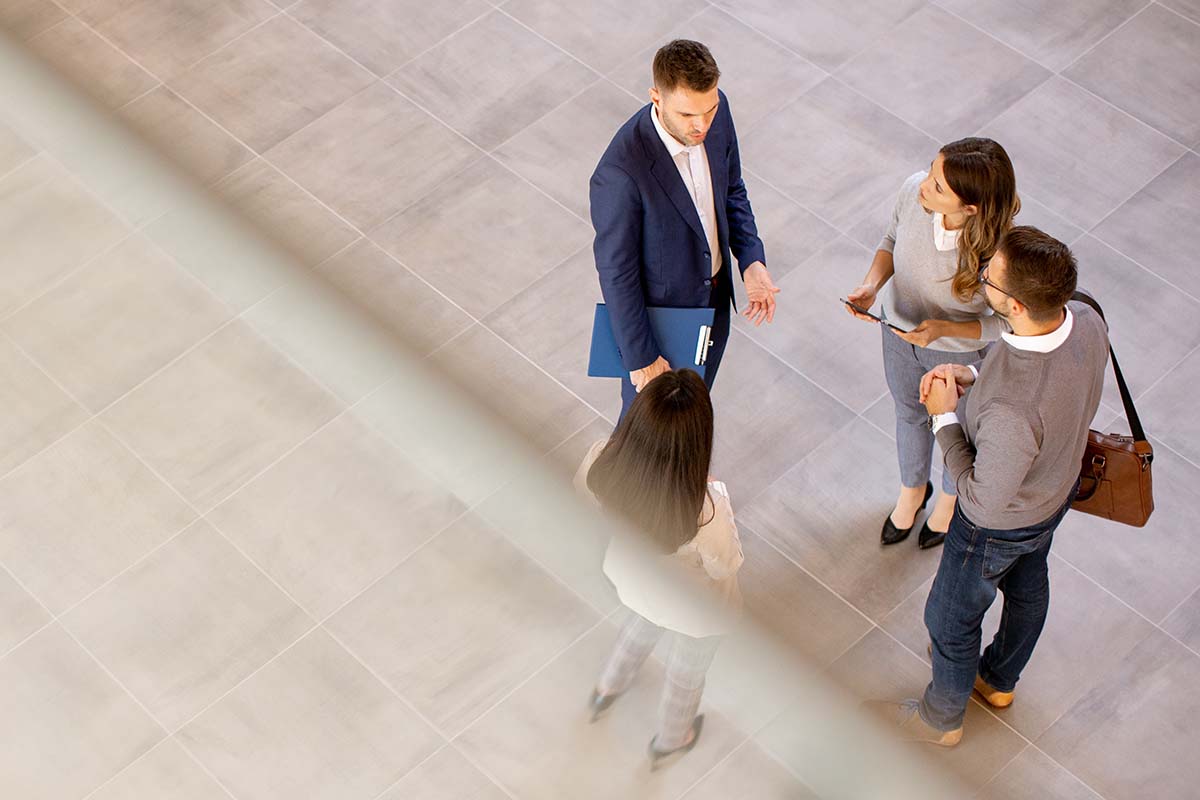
(692, 163)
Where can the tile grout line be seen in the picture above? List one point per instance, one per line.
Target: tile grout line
(979, 792)
(1179, 605)
(1105, 37)
(242, 315)
(1152, 623)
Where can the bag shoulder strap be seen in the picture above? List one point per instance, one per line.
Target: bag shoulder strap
(1135, 423)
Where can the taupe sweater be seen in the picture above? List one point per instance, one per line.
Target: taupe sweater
(1023, 427)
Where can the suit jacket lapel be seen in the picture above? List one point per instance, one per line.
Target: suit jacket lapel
(667, 175)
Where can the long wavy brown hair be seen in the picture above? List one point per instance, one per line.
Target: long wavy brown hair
(654, 470)
(979, 171)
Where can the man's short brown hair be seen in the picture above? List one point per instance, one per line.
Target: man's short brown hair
(687, 63)
(1041, 273)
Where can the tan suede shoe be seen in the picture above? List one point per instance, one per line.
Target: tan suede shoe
(904, 718)
(993, 697)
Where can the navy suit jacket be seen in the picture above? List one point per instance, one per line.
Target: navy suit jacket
(650, 247)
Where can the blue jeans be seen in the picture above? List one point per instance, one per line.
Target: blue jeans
(904, 365)
(975, 563)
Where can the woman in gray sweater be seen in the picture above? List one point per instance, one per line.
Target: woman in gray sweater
(945, 227)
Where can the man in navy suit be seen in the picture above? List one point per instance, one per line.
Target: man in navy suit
(668, 206)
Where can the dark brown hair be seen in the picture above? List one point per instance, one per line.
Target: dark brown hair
(654, 470)
(1040, 271)
(685, 62)
(979, 171)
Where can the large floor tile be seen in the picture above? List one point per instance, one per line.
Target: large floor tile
(797, 149)
(407, 308)
(383, 34)
(337, 513)
(281, 228)
(1133, 735)
(825, 33)
(313, 723)
(492, 79)
(165, 773)
(750, 774)
(1165, 412)
(84, 59)
(374, 155)
(879, 669)
(1188, 8)
(167, 37)
(922, 50)
(416, 315)
(271, 82)
(215, 418)
(77, 728)
(551, 323)
(1035, 776)
(1184, 622)
(558, 155)
(461, 623)
(1149, 68)
(81, 512)
(757, 75)
(791, 234)
(20, 614)
(328, 336)
(768, 417)
(813, 333)
(187, 624)
(1159, 227)
(113, 323)
(1062, 33)
(598, 32)
(807, 622)
(25, 19)
(447, 775)
(50, 225)
(186, 137)
(14, 151)
(538, 742)
(1147, 346)
(1155, 568)
(825, 513)
(537, 408)
(1078, 154)
(530, 508)
(1088, 633)
(482, 236)
(36, 411)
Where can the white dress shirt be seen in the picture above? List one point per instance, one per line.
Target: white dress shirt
(692, 163)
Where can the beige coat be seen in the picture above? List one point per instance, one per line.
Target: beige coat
(708, 565)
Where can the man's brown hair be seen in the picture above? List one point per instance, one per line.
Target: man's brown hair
(1041, 272)
(683, 62)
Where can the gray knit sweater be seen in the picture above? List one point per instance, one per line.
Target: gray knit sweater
(921, 287)
(1024, 426)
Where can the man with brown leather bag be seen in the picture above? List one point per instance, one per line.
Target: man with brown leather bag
(1013, 436)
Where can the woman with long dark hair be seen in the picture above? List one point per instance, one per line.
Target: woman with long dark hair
(652, 474)
(945, 226)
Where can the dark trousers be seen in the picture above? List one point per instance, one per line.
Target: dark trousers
(721, 301)
(976, 562)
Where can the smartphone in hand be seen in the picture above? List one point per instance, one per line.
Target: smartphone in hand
(867, 313)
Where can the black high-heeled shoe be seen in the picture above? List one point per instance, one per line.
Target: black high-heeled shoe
(657, 757)
(893, 535)
(929, 538)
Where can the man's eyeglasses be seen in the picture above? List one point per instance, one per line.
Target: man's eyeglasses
(983, 277)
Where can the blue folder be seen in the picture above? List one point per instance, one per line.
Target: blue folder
(683, 336)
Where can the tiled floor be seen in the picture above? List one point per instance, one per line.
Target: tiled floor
(225, 575)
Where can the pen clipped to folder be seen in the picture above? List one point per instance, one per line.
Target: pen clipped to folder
(684, 336)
